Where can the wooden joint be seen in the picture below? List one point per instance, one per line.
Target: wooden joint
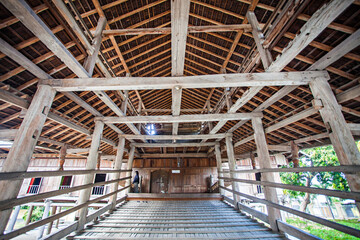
(317, 104)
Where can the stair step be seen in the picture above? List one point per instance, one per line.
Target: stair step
(176, 225)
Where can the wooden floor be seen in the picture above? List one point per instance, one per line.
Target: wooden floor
(208, 219)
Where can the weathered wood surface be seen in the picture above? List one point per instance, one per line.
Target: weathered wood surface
(178, 219)
(179, 119)
(208, 81)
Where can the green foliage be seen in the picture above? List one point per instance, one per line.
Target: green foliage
(325, 232)
(36, 214)
(316, 157)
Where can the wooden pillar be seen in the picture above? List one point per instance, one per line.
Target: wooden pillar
(28, 218)
(13, 218)
(53, 211)
(264, 162)
(253, 162)
(232, 167)
(62, 156)
(129, 167)
(90, 165)
(58, 220)
(98, 162)
(45, 215)
(117, 166)
(339, 132)
(219, 167)
(22, 149)
(294, 154)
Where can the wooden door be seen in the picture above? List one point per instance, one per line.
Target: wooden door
(159, 181)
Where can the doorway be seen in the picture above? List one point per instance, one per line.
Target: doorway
(159, 181)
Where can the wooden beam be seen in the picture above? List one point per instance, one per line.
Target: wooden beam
(340, 134)
(90, 61)
(219, 167)
(174, 137)
(312, 28)
(259, 39)
(349, 94)
(89, 178)
(22, 149)
(174, 155)
(265, 162)
(304, 114)
(173, 144)
(117, 166)
(179, 119)
(179, 27)
(208, 81)
(190, 29)
(232, 167)
(339, 51)
(176, 106)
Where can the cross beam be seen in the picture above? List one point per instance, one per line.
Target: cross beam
(202, 81)
(178, 119)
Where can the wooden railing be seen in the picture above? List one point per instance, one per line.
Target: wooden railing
(10, 203)
(282, 226)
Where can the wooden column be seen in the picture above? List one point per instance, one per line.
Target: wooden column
(253, 162)
(339, 131)
(90, 165)
(62, 156)
(53, 211)
(264, 162)
(22, 149)
(58, 220)
(294, 154)
(117, 166)
(45, 215)
(28, 218)
(98, 162)
(219, 167)
(129, 167)
(232, 167)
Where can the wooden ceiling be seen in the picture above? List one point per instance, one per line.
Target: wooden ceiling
(149, 55)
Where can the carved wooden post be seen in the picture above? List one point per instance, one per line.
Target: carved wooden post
(90, 165)
(62, 156)
(339, 132)
(129, 167)
(22, 149)
(253, 162)
(219, 167)
(98, 162)
(232, 167)
(117, 166)
(264, 162)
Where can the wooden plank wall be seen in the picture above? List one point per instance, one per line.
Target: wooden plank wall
(193, 177)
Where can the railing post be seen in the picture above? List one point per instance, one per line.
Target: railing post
(264, 162)
(129, 167)
(45, 215)
(23, 147)
(13, 218)
(53, 211)
(90, 165)
(219, 167)
(232, 167)
(28, 218)
(117, 166)
(339, 131)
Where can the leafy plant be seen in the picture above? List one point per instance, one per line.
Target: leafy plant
(315, 157)
(36, 214)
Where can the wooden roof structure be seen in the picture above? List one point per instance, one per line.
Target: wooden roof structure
(217, 38)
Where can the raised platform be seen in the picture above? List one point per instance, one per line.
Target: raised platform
(173, 196)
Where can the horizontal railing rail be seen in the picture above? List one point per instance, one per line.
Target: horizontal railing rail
(54, 217)
(6, 204)
(344, 169)
(34, 174)
(322, 221)
(327, 192)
